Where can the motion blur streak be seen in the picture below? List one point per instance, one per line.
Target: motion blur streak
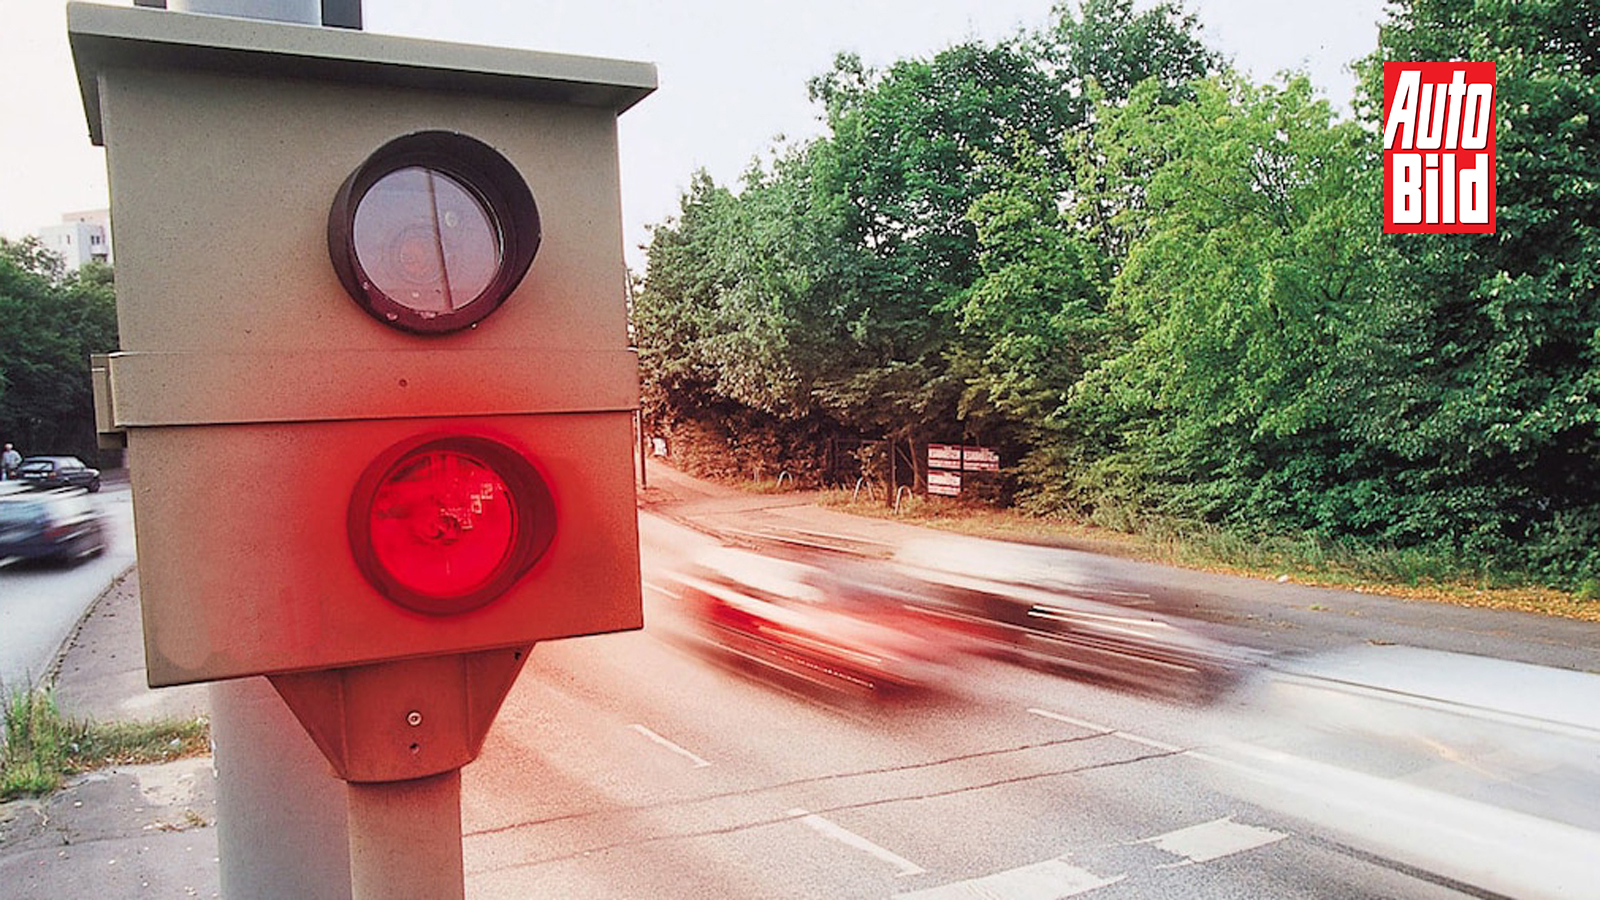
(881, 627)
(1483, 771)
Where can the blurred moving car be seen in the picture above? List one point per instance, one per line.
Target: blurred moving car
(1028, 604)
(59, 524)
(58, 471)
(1483, 772)
(809, 622)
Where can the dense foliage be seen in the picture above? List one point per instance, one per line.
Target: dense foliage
(50, 321)
(1163, 291)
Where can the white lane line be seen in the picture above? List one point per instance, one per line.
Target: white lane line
(1212, 840)
(1082, 723)
(698, 762)
(671, 595)
(1049, 880)
(850, 838)
(1197, 843)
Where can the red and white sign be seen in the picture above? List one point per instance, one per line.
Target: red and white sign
(1438, 147)
(946, 484)
(966, 458)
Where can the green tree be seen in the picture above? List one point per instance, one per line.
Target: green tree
(863, 276)
(908, 157)
(672, 310)
(50, 321)
(1100, 56)
(1248, 260)
(735, 318)
(1484, 388)
(1034, 320)
(1107, 50)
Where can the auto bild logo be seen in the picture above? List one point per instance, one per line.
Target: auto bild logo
(1438, 146)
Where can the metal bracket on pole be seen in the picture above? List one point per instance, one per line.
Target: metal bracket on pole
(410, 718)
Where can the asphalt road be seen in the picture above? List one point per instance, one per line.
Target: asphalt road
(41, 602)
(1381, 749)
(646, 765)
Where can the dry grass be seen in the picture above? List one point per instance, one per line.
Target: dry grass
(42, 746)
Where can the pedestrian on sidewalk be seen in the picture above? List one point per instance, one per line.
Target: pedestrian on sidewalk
(9, 461)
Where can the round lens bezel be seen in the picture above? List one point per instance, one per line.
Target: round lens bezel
(488, 177)
(526, 489)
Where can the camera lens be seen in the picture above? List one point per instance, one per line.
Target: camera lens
(425, 241)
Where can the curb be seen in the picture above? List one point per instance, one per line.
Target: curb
(52, 672)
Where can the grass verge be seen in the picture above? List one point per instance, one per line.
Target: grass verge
(1397, 573)
(42, 747)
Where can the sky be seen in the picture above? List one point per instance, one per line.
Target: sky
(732, 75)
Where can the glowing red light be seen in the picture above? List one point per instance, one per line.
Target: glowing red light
(446, 525)
(443, 523)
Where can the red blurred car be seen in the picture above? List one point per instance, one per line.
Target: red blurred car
(809, 622)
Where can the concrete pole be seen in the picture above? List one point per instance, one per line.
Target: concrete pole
(304, 12)
(280, 810)
(405, 839)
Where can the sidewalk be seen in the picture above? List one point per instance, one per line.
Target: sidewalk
(126, 831)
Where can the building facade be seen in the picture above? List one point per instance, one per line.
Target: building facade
(80, 238)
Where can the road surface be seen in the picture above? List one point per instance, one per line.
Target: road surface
(41, 602)
(647, 765)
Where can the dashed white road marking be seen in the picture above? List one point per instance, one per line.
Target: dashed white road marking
(1049, 880)
(1082, 723)
(698, 762)
(1055, 879)
(671, 595)
(1197, 843)
(850, 838)
(1212, 840)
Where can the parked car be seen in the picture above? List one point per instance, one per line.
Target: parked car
(58, 471)
(59, 524)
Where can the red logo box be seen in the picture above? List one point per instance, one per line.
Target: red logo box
(1438, 147)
